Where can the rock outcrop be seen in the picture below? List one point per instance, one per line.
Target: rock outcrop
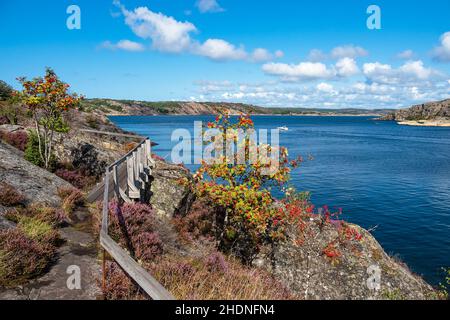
(169, 197)
(438, 110)
(305, 270)
(35, 183)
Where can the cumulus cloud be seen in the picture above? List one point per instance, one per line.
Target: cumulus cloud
(442, 52)
(263, 55)
(126, 45)
(208, 6)
(166, 33)
(348, 51)
(358, 94)
(411, 71)
(304, 71)
(301, 71)
(416, 69)
(346, 67)
(316, 55)
(406, 55)
(170, 35)
(221, 50)
(325, 87)
(340, 52)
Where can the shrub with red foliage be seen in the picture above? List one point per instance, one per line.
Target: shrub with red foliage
(17, 139)
(9, 196)
(22, 258)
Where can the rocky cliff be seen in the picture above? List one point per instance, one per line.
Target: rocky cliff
(438, 110)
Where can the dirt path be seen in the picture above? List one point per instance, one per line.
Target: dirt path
(80, 251)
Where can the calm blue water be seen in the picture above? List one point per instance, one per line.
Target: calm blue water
(394, 177)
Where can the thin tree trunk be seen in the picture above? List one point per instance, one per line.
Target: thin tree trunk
(38, 131)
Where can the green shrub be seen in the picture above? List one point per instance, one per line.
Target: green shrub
(5, 90)
(32, 152)
(38, 230)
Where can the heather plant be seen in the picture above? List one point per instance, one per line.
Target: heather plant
(71, 198)
(119, 286)
(16, 139)
(9, 196)
(22, 258)
(148, 246)
(133, 226)
(47, 99)
(193, 278)
(53, 216)
(199, 223)
(74, 177)
(215, 262)
(38, 230)
(4, 120)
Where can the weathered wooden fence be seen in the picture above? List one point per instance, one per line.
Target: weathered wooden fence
(130, 178)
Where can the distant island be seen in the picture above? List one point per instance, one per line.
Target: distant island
(435, 113)
(140, 108)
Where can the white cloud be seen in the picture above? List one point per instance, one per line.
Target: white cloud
(348, 51)
(411, 71)
(208, 6)
(221, 50)
(301, 71)
(346, 67)
(442, 53)
(166, 33)
(325, 87)
(126, 45)
(261, 55)
(416, 69)
(316, 55)
(345, 51)
(406, 55)
(170, 35)
(377, 72)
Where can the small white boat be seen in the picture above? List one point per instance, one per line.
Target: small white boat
(283, 128)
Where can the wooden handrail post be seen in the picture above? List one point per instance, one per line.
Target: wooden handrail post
(104, 273)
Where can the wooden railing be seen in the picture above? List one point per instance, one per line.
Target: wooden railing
(131, 178)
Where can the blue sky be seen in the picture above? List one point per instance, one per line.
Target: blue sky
(271, 53)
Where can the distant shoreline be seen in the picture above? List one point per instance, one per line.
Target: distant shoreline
(426, 123)
(254, 114)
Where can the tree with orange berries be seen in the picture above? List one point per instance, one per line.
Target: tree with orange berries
(47, 99)
(242, 189)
